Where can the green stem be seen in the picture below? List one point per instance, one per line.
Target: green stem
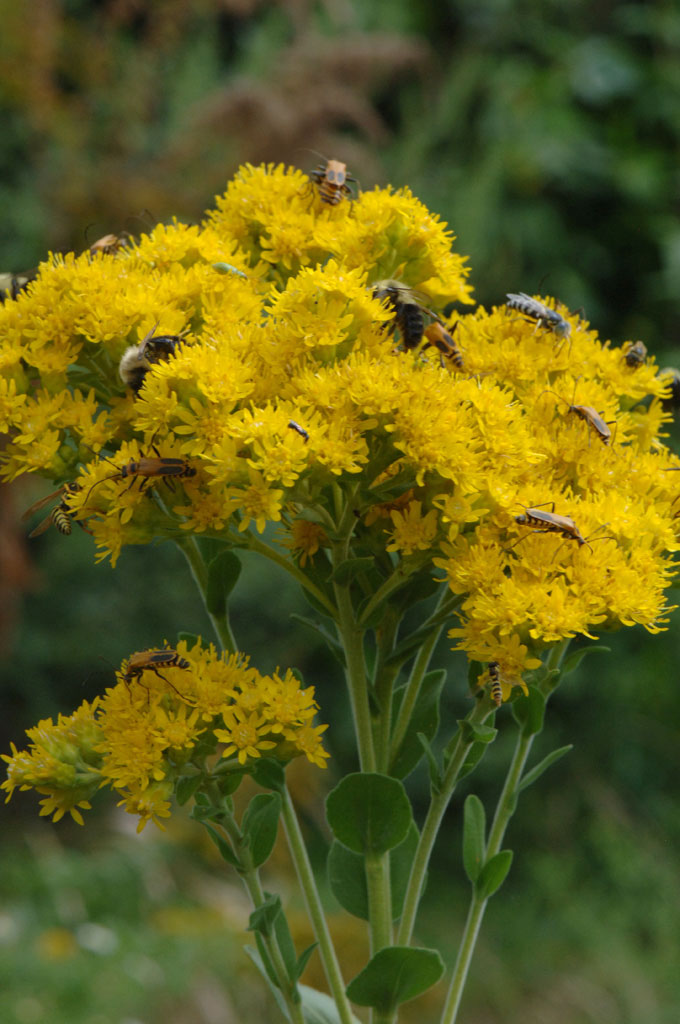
(255, 544)
(379, 900)
(400, 575)
(438, 805)
(189, 547)
(315, 910)
(384, 678)
(352, 639)
(413, 686)
(504, 811)
(251, 880)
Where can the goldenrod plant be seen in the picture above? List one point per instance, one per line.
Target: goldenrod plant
(516, 496)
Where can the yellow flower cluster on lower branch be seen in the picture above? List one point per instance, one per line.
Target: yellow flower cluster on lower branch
(172, 713)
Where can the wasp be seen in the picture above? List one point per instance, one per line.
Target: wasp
(438, 337)
(331, 180)
(495, 681)
(635, 354)
(108, 244)
(146, 469)
(12, 284)
(590, 416)
(300, 430)
(409, 315)
(151, 661)
(61, 516)
(542, 314)
(137, 360)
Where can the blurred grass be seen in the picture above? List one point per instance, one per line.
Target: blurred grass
(547, 136)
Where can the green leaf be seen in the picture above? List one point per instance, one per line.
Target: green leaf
(226, 852)
(269, 774)
(186, 786)
(528, 711)
(401, 862)
(260, 825)
(472, 759)
(303, 960)
(395, 975)
(425, 720)
(474, 836)
(493, 874)
(263, 917)
(472, 732)
(223, 573)
(190, 639)
(347, 879)
(348, 570)
(576, 657)
(475, 669)
(347, 875)
(260, 958)
(369, 812)
(285, 943)
(320, 1008)
(433, 768)
(543, 765)
(330, 641)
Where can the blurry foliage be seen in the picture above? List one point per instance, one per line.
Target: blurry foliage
(548, 136)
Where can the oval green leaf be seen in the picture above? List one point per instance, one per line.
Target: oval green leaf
(395, 975)
(369, 812)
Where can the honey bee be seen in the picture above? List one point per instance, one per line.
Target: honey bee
(409, 315)
(108, 244)
(439, 338)
(635, 354)
(60, 516)
(331, 179)
(137, 360)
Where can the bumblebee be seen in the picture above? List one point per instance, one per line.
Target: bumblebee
(409, 315)
(137, 360)
(12, 284)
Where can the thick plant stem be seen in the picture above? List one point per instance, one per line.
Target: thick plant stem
(379, 900)
(504, 811)
(438, 805)
(352, 640)
(315, 910)
(221, 625)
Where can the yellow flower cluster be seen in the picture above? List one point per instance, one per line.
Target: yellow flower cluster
(289, 398)
(164, 718)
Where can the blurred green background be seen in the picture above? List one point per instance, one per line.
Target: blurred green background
(547, 134)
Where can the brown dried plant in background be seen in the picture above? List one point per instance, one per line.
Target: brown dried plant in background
(131, 106)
